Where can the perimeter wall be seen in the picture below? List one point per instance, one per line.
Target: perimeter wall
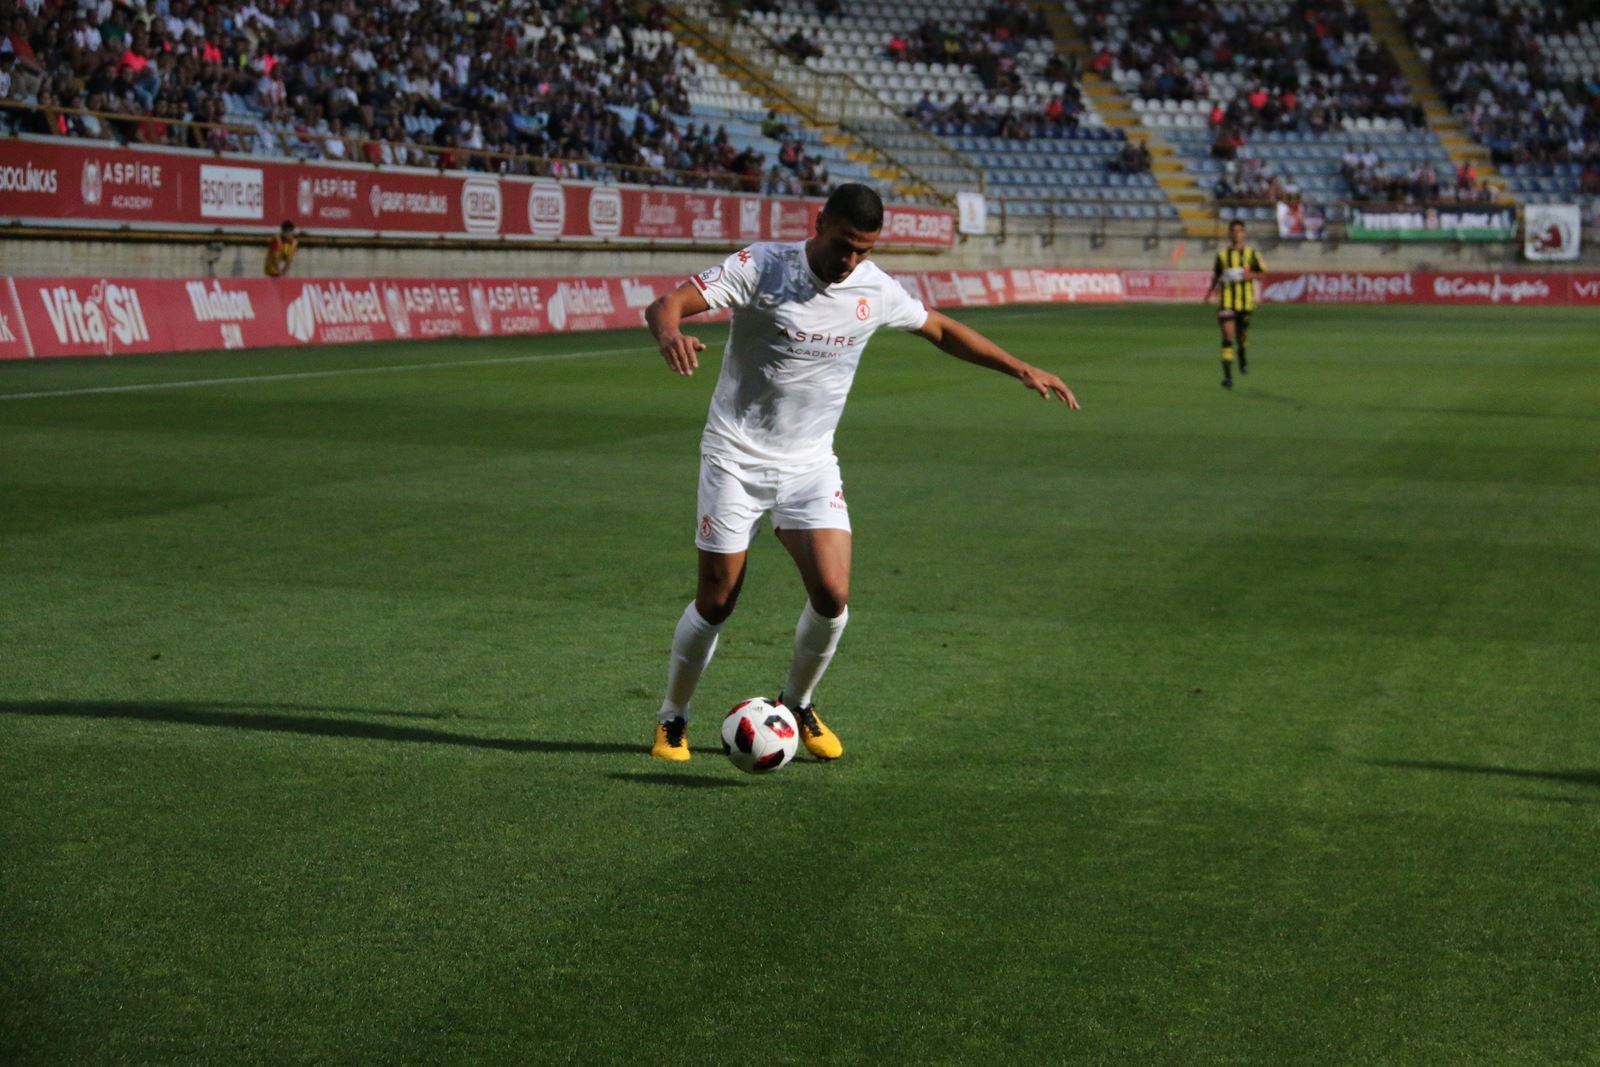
(89, 316)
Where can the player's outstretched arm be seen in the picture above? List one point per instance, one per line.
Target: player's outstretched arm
(968, 344)
(665, 317)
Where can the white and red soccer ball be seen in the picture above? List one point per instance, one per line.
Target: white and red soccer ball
(759, 735)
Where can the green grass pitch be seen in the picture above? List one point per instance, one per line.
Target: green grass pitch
(1194, 727)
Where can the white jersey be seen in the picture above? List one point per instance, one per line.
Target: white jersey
(792, 350)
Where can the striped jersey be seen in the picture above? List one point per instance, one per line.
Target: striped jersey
(280, 253)
(1240, 295)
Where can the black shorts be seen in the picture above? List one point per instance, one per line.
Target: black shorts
(1240, 317)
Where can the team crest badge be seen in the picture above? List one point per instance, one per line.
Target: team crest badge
(863, 310)
(91, 185)
(705, 526)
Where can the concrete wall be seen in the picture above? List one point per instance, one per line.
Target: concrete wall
(115, 258)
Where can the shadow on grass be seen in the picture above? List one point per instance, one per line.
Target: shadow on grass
(1300, 404)
(1579, 777)
(1547, 798)
(680, 781)
(1275, 398)
(272, 718)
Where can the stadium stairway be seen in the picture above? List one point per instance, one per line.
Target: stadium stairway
(1457, 143)
(755, 64)
(1196, 213)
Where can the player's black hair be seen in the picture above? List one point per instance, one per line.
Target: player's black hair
(1236, 222)
(857, 206)
(288, 224)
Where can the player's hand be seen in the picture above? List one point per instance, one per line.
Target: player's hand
(680, 351)
(1048, 386)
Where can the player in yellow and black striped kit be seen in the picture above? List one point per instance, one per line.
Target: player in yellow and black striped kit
(281, 250)
(1234, 274)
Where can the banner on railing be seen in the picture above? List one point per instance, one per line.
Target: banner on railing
(1552, 231)
(1389, 222)
(972, 213)
(1300, 221)
(51, 181)
(117, 316)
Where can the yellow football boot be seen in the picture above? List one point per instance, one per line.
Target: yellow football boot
(820, 741)
(672, 741)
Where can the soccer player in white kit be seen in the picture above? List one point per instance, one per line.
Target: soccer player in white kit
(803, 312)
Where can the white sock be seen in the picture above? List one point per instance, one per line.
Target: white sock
(816, 637)
(693, 643)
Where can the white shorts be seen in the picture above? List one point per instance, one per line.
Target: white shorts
(734, 496)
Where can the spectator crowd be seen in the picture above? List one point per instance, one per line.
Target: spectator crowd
(1306, 71)
(1366, 176)
(1369, 178)
(1490, 65)
(560, 87)
(991, 47)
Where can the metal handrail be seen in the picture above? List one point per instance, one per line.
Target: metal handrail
(723, 181)
(121, 117)
(1048, 224)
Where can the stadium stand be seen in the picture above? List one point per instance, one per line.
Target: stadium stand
(1256, 102)
(1267, 101)
(818, 93)
(1523, 79)
(1391, 165)
(1307, 65)
(987, 81)
(585, 89)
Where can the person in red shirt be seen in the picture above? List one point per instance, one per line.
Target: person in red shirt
(17, 34)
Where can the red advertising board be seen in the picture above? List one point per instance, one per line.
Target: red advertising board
(1584, 288)
(98, 316)
(115, 316)
(992, 288)
(60, 181)
(14, 342)
(1514, 288)
(1165, 286)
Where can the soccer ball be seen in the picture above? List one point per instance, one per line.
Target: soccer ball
(759, 735)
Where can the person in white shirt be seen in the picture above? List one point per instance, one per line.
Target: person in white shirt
(802, 314)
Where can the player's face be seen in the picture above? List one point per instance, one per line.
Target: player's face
(838, 249)
(1236, 236)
